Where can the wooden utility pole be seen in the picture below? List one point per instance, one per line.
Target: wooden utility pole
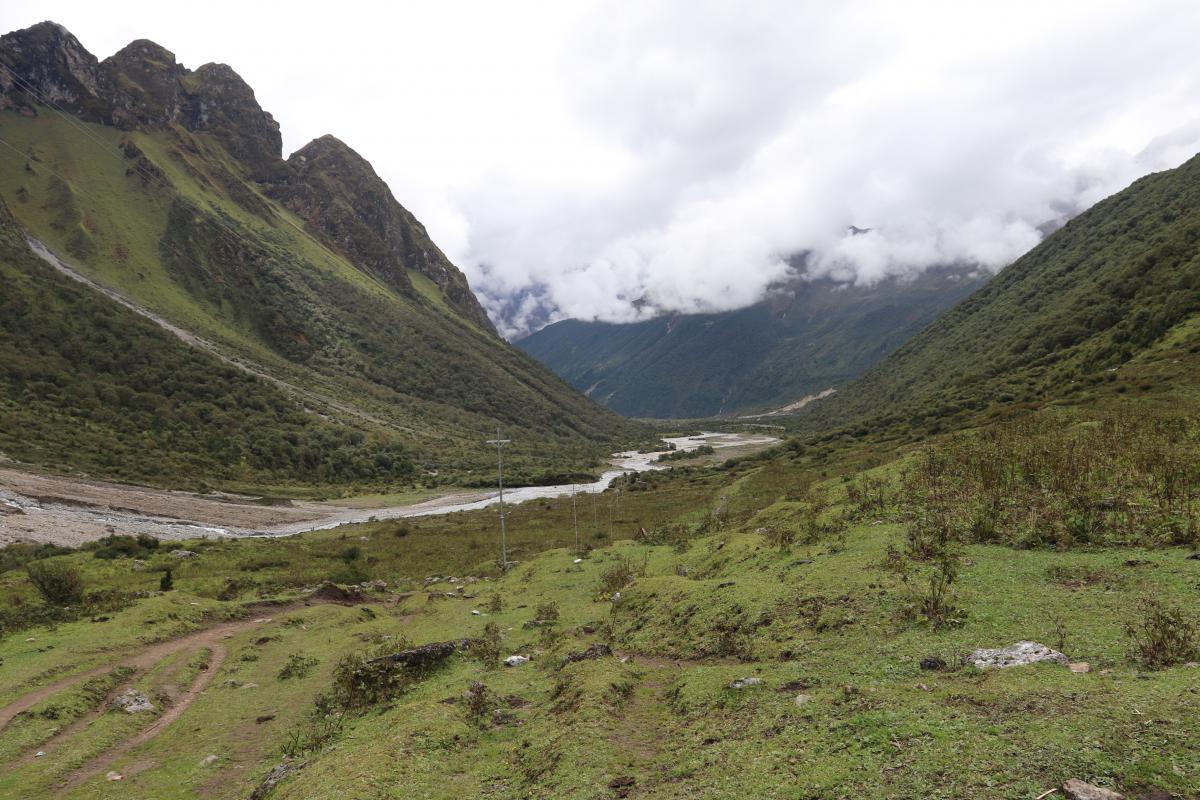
(575, 520)
(500, 482)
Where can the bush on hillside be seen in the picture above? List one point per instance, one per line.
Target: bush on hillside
(58, 582)
(1162, 635)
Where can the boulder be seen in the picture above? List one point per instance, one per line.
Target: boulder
(1015, 655)
(592, 652)
(516, 661)
(338, 594)
(1076, 789)
(183, 554)
(132, 701)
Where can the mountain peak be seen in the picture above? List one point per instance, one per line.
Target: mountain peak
(342, 197)
(51, 64)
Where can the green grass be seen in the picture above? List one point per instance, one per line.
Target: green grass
(832, 617)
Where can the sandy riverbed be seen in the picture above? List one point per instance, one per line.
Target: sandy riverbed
(70, 511)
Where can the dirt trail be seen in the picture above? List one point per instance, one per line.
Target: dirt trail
(140, 662)
(99, 763)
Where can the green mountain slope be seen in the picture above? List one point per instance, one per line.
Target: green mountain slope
(86, 384)
(168, 186)
(1107, 304)
(808, 337)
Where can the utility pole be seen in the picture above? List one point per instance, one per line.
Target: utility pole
(500, 482)
(575, 520)
(595, 515)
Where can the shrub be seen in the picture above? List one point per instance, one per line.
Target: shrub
(361, 682)
(487, 647)
(778, 536)
(546, 612)
(57, 582)
(495, 605)
(480, 704)
(167, 582)
(620, 574)
(120, 546)
(1162, 635)
(297, 666)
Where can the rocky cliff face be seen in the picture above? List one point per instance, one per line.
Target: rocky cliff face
(341, 197)
(331, 187)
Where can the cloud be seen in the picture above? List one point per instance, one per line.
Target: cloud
(607, 161)
(956, 135)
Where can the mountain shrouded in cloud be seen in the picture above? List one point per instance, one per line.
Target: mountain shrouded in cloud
(672, 157)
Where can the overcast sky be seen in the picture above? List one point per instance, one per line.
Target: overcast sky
(582, 155)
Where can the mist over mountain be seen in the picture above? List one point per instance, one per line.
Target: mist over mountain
(808, 336)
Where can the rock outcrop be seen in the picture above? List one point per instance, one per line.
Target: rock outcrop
(339, 194)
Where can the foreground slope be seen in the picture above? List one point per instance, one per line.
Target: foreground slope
(1106, 304)
(167, 186)
(807, 337)
(822, 583)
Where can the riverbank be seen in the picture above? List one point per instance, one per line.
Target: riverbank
(70, 511)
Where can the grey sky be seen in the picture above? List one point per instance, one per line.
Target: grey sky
(592, 154)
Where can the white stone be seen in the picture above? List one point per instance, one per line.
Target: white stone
(516, 661)
(1016, 655)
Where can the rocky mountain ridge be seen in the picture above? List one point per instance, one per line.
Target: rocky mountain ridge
(326, 183)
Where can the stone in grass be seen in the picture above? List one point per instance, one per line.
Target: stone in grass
(183, 554)
(1015, 655)
(132, 701)
(742, 683)
(1080, 667)
(516, 661)
(1076, 789)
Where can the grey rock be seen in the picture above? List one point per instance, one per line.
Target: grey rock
(132, 701)
(1015, 655)
(516, 661)
(742, 683)
(183, 554)
(1076, 789)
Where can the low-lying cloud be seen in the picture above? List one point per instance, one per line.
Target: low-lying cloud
(732, 140)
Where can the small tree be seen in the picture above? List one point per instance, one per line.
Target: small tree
(57, 582)
(167, 582)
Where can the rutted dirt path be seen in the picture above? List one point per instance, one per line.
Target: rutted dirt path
(210, 639)
(97, 764)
